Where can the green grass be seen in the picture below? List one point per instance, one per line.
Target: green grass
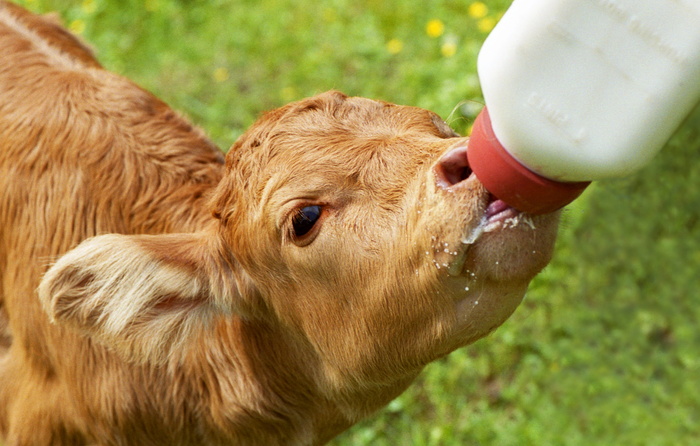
(605, 350)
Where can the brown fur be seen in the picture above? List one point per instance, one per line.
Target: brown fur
(178, 307)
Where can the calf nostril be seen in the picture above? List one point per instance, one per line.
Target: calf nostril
(453, 167)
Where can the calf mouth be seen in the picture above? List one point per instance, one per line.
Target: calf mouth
(496, 215)
(453, 175)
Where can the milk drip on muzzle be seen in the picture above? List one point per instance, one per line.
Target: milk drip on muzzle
(581, 90)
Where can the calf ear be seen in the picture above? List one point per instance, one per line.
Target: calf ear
(143, 296)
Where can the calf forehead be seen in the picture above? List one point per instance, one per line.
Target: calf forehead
(360, 138)
(336, 116)
(328, 143)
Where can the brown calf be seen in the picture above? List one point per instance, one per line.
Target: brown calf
(273, 299)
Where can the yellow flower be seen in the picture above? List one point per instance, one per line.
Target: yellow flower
(478, 10)
(486, 24)
(77, 26)
(151, 5)
(330, 15)
(288, 94)
(89, 6)
(221, 74)
(449, 49)
(435, 28)
(394, 46)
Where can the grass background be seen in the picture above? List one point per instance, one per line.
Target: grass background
(605, 348)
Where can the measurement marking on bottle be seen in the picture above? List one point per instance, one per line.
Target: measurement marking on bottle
(561, 120)
(644, 30)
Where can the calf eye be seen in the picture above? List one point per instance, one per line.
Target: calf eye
(304, 220)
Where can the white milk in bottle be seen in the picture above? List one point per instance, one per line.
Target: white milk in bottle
(581, 90)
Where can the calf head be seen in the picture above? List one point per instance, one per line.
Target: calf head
(361, 226)
(354, 225)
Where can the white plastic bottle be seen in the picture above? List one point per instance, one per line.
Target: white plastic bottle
(581, 90)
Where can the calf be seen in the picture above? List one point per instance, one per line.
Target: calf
(154, 293)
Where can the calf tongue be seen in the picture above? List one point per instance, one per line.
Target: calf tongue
(495, 207)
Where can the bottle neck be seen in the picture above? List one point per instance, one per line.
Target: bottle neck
(510, 181)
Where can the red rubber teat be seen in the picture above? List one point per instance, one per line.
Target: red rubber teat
(510, 181)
